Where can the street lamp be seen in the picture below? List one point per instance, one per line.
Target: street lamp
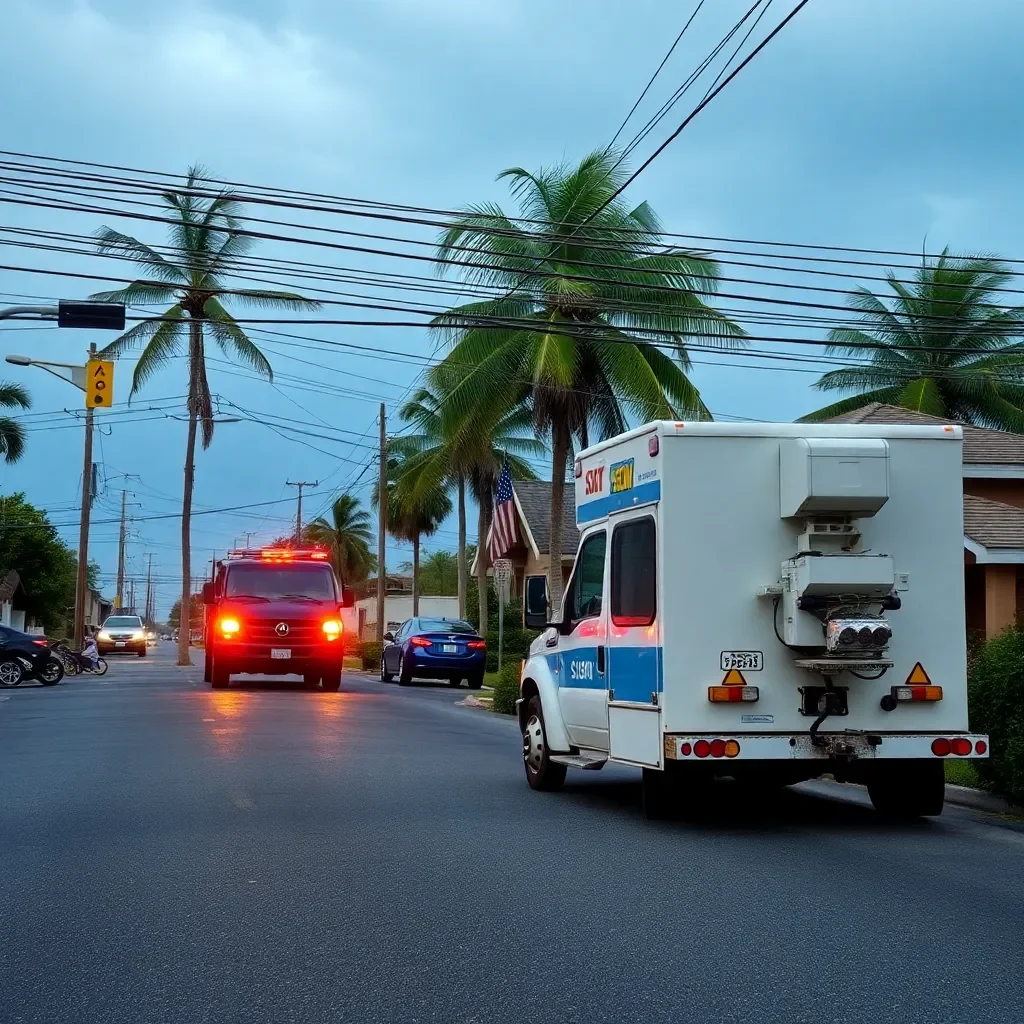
(96, 316)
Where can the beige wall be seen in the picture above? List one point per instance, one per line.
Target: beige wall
(1000, 598)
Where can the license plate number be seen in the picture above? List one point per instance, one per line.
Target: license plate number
(119, 643)
(450, 649)
(280, 653)
(742, 661)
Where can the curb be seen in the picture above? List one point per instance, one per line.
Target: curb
(980, 800)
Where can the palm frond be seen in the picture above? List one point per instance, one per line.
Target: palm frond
(14, 396)
(233, 341)
(12, 439)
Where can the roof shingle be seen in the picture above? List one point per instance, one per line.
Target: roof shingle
(993, 524)
(535, 501)
(982, 446)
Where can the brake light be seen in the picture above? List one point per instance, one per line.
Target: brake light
(229, 627)
(477, 645)
(420, 641)
(941, 747)
(332, 628)
(916, 693)
(714, 748)
(960, 745)
(40, 643)
(728, 694)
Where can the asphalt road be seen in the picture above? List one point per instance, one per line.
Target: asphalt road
(173, 854)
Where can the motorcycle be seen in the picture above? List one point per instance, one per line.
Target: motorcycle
(75, 663)
(19, 662)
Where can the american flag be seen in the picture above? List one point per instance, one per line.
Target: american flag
(504, 530)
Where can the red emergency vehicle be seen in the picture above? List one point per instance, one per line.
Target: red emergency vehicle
(275, 611)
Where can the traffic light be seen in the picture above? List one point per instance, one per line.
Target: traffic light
(103, 316)
(99, 384)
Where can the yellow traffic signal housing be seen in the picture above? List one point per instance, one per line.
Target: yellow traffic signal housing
(99, 384)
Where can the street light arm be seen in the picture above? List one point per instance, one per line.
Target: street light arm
(29, 313)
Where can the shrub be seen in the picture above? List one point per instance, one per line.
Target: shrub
(370, 653)
(515, 646)
(506, 688)
(995, 693)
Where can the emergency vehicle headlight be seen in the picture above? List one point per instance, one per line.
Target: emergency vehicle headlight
(332, 629)
(229, 627)
(731, 694)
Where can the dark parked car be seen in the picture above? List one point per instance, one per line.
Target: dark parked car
(427, 648)
(17, 648)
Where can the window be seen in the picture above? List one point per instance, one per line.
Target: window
(587, 587)
(444, 626)
(634, 568)
(281, 582)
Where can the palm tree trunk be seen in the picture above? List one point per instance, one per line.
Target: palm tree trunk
(481, 555)
(185, 624)
(416, 574)
(462, 547)
(559, 457)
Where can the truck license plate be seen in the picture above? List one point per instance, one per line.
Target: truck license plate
(119, 643)
(280, 653)
(450, 649)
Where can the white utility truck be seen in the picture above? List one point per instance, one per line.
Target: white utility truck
(765, 601)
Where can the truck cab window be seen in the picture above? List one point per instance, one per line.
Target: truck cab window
(634, 573)
(587, 587)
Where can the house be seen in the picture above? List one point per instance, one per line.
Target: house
(362, 619)
(531, 554)
(12, 611)
(993, 481)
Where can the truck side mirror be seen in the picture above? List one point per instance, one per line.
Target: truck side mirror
(348, 598)
(207, 593)
(535, 612)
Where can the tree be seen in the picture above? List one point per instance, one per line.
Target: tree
(589, 320)
(12, 433)
(206, 240)
(453, 460)
(941, 346)
(439, 573)
(411, 513)
(46, 565)
(196, 612)
(347, 537)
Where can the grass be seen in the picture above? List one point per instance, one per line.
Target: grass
(962, 773)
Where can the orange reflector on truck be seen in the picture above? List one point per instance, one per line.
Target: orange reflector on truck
(916, 693)
(730, 694)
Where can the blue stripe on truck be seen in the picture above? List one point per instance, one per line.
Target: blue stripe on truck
(634, 673)
(600, 507)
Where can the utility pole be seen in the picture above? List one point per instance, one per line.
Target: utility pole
(149, 590)
(131, 596)
(119, 596)
(298, 515)
(382, 522)
(81, 592)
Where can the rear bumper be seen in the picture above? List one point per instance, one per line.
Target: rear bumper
(439, 667)
(798, 747)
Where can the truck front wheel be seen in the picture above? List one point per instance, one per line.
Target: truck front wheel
(332, 680)
(541, 772)
(219, 678)
(904, 790)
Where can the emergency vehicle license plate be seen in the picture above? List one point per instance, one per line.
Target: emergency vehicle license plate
(450, 648)
(280, 653)
(119, 643)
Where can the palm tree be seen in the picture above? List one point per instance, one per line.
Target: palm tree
(12, 433)
(347, 536)
(583, 299)
(411, 514)
(455, 462)
(206, 239)
(941, 346)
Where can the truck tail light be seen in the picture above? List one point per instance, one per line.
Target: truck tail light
(332, 628)
(229, 627)
(916, 693)
(729, 694)
(712, 748)
(960, 745)
(477, 645)
(420, 641)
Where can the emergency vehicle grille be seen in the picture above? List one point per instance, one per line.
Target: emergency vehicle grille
(302, 632)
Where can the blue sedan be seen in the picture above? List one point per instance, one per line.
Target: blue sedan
(428, 648)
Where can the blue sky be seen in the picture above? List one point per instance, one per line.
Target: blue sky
(866, 123)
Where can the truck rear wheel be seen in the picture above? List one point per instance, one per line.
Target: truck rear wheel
(207, 667)
(904, 790)
(660, 795)
(541, 772)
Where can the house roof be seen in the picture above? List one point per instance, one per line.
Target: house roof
(993, 524)
(9, 585)
(981, 445)
(535, 501)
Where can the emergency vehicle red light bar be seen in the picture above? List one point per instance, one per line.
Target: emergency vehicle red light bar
(282, 554)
